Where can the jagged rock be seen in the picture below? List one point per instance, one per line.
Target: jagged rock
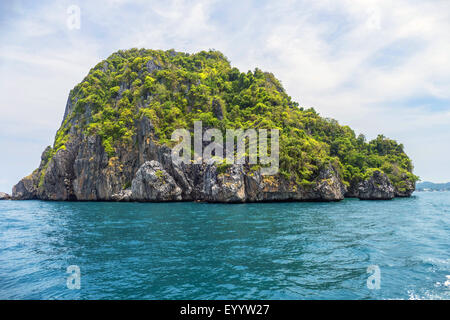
(224, 187)
(57, 180)
(123, 195)
(330, 186)
(4, 196)
(352, 191)
(270, 188)
(89, 183)
(327, 187)
(377, 187)
(153, 183)
(26, 189)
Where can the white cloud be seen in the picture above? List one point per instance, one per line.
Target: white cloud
(361, 62)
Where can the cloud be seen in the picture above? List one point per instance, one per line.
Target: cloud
(378, 66)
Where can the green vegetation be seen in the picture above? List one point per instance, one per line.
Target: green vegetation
(222, 168)
(175, 89)
(160, 175)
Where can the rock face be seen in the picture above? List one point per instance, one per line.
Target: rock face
(124, 196)
(153, 183)
(4, 196)
(26, 188)
(226, 187)
(378, 187)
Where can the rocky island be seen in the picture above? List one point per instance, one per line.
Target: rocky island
(114, 143)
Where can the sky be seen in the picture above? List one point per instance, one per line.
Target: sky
(377, 66)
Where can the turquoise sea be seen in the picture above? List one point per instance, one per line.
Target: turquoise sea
(216, 251)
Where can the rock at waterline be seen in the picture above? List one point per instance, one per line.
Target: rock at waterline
(378, 187)
(4, 196)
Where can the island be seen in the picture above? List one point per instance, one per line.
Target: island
(114, 143)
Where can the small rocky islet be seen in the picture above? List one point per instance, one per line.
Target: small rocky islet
(114, 143)
(4, 196)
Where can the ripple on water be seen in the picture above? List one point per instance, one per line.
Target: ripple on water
(216, 251)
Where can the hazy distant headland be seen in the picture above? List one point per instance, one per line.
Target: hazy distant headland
(430, 186)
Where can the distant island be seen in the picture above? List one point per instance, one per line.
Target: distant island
(430, 186)
(114, 143)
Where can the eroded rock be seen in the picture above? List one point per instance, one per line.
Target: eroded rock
(4, 196)
(228, 186)
(377, 187)
(153, 183)
(123, 196)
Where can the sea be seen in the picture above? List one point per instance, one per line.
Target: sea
(353, 249)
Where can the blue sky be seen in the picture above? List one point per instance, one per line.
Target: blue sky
(377, 66)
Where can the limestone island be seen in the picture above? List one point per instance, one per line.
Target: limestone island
(114, 143)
